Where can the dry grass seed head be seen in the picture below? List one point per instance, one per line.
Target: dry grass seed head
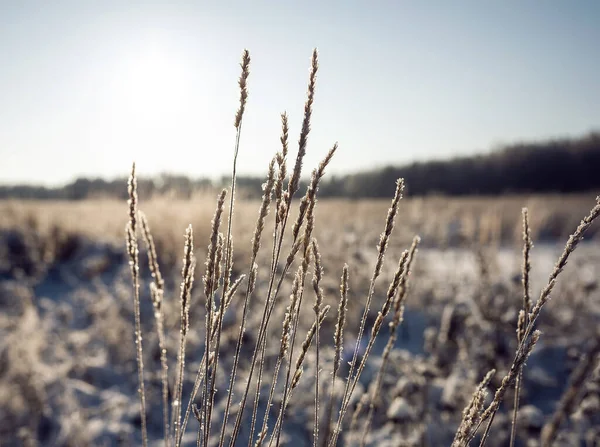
(521, 325)
(132, 248)
(472, 412)
(209, 275)
(393, 288)
(264, 208)
(509, 380)
(295, 177)
(403, 285)
(218, 259)
(228, 263)
(389, 225)
(294, 251)
(133, 199)
(252, 278)
(152, 256)
(572, 243)
(284, 137)
(287, 320)
(187, 274)
(301, 215)
(245, 65)
(338, 335)
(527, 246)
(282, 167)
(317, 276)
(308, 203)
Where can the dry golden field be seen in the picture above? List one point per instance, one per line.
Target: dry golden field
(439, 221)
(67, 357)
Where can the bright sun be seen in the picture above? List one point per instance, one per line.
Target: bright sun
(152, 84)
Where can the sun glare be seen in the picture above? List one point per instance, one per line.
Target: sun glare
(152, 83)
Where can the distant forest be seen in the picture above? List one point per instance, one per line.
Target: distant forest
(555, 166)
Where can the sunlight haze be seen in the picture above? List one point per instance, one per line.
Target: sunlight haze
(88, 87)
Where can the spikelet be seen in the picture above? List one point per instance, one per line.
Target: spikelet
(245, 65)
(338, 336)
(295, 177)
(264, 208)
(472, 412)
(210, 278)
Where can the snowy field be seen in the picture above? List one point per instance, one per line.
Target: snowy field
(67, 358)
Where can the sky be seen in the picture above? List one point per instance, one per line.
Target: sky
(87, 87)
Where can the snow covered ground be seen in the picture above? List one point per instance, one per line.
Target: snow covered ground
(68, 371)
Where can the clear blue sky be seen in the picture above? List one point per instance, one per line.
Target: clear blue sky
(88, 86)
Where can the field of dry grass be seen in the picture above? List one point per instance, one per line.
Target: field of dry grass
(440, 222)
(67, 373)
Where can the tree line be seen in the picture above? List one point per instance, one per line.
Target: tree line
(565, 165)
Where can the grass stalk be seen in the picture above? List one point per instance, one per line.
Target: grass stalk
(472, 412)
(187, 274)
(316, 282)
(280, 212)
(381, 249)
(311, 201)
(157, 294)
(507, 382)
(263, 212)
(526, 342)
(338, 342)
(523, 317)
(292, 338)
(399, 287)
(567, 402)
(298, 371)
(211, 284)
(133, 252)
(198, 382)
(242, 82)
(283, 214)
(283, 348)
(284, 336)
